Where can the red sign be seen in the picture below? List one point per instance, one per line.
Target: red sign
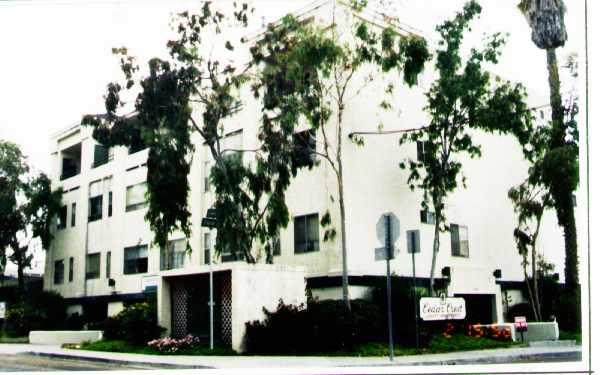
(520, 323)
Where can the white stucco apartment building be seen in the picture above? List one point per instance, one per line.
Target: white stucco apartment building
(103, 256)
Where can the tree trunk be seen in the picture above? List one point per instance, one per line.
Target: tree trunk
(536, 290)
(531, 296)
(562, 195)
(345, 294)
(436, 249)
(340, 180)
(20, 274)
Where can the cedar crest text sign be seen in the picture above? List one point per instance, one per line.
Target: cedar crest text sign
(442, 308)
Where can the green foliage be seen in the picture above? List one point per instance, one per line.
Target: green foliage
(40, 311)
(323, 326)
(137, 324)
(27, 207)
(120, 346)
(462, 99)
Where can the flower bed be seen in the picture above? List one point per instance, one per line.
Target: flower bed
(171, 345)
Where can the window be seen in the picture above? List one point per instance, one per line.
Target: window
(413, 241)
(207, 245)
(206, 177)
(420, 151)
(135, 260)
(59, 271)
(71, 264)
(73, 213)
(95, 211)
(459, 236)
(101, 155)
(110, 195)
(305, 146)
(108, 256)
(136, 197)
(62, 218)
(95, 201)
(427, 217)
(276, 246)
(306, 233)
(71, 161)
(173, 256)
(92, 266)
(137, 143)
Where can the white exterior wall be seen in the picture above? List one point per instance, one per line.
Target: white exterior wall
(374, 185)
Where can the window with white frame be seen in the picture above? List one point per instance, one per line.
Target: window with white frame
(135, 197)
(173, 256)
(92, 266)
(306, 233)
(95, 201)
(59, 271)
(459, 236)
(135, 260)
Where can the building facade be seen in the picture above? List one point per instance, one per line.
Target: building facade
(103, 257)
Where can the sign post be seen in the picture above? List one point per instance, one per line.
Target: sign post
(388, 230)
(210, 221)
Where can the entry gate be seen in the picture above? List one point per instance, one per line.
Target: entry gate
(190, 306)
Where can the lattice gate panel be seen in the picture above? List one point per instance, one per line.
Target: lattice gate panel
(225, 291)
(179, 298)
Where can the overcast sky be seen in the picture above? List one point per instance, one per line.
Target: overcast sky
(56, 54)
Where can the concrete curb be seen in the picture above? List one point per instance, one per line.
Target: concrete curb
(499, 359)
(171, 366)
(496, 358)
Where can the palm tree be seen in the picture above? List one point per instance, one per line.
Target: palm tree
(546, 19)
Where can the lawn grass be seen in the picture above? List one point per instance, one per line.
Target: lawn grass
(118, 346)
(439, 344)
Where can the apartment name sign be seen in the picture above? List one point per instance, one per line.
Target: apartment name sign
(442, 308)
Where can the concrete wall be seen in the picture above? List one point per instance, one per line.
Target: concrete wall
(256, 286)
(63, 337)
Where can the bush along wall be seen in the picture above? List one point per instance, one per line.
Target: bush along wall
(319, 326)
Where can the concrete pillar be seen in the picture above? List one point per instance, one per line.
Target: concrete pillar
(114, 308)
(164, 304)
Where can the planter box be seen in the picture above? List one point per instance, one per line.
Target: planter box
(536, 331)
(63, 337)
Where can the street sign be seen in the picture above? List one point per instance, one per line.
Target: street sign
(394, 228)
(211, 213)
(442, 308)
(381, 253)
(2, 310)
(209, 222)
(520, 323)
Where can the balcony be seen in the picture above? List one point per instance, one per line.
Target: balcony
(70, 161)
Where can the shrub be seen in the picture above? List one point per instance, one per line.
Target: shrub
(171, 345)
(320, 326)
(138, 324)
(112, 329)
(566, 313)
(41, 311)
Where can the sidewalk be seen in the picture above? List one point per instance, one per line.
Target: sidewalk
(472, 357)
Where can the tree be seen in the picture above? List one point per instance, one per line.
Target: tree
(314, 71)
(27, 206)
(195, 92)
(530, 202)
(561, 165)
(462, 99)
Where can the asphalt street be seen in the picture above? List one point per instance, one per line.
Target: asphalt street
(34, 363)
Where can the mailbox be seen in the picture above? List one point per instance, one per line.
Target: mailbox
(520, 324)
